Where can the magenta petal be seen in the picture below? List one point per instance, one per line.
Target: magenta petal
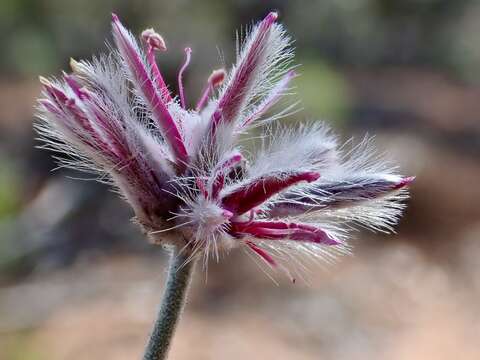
(142, 80)
(406, 181)
(234, 96)
(277, 230)
(222, 170)
(257, 191)
(262, 253)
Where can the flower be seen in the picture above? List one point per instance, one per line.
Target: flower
(184, 171)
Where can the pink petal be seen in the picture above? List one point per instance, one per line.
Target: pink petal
(277, 230)
(261, 189)
(222, 170)
(262, 253)
(234, 96)
(160, 112)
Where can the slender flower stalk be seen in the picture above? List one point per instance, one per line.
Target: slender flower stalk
(173, 302)
(188, 56)
(186, 174)
(214, 81)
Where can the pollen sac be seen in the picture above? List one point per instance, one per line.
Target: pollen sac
(154, 39)
(217, 77)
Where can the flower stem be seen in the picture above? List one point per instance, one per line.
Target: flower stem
(173, 302)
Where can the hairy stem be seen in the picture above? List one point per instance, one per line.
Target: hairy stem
(173, 302)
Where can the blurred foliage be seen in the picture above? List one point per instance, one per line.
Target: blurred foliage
(376, 32)
(19, 346)
(10, 189)
(323, 91)
(40, 35)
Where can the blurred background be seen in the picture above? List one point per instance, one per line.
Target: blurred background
(78, 281)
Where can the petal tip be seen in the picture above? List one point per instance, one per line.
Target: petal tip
(271, 17)
(74, 65)
(44, 81)
(406, 181)
(312, 176)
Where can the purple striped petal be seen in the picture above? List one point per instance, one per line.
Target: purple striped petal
(338, 194)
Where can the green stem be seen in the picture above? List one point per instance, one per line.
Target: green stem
(173, 302)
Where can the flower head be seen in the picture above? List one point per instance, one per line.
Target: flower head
(185, 172)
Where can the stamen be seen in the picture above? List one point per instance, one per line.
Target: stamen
(188, 52)
(214, 80)
(154, 42)
(216, 77)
